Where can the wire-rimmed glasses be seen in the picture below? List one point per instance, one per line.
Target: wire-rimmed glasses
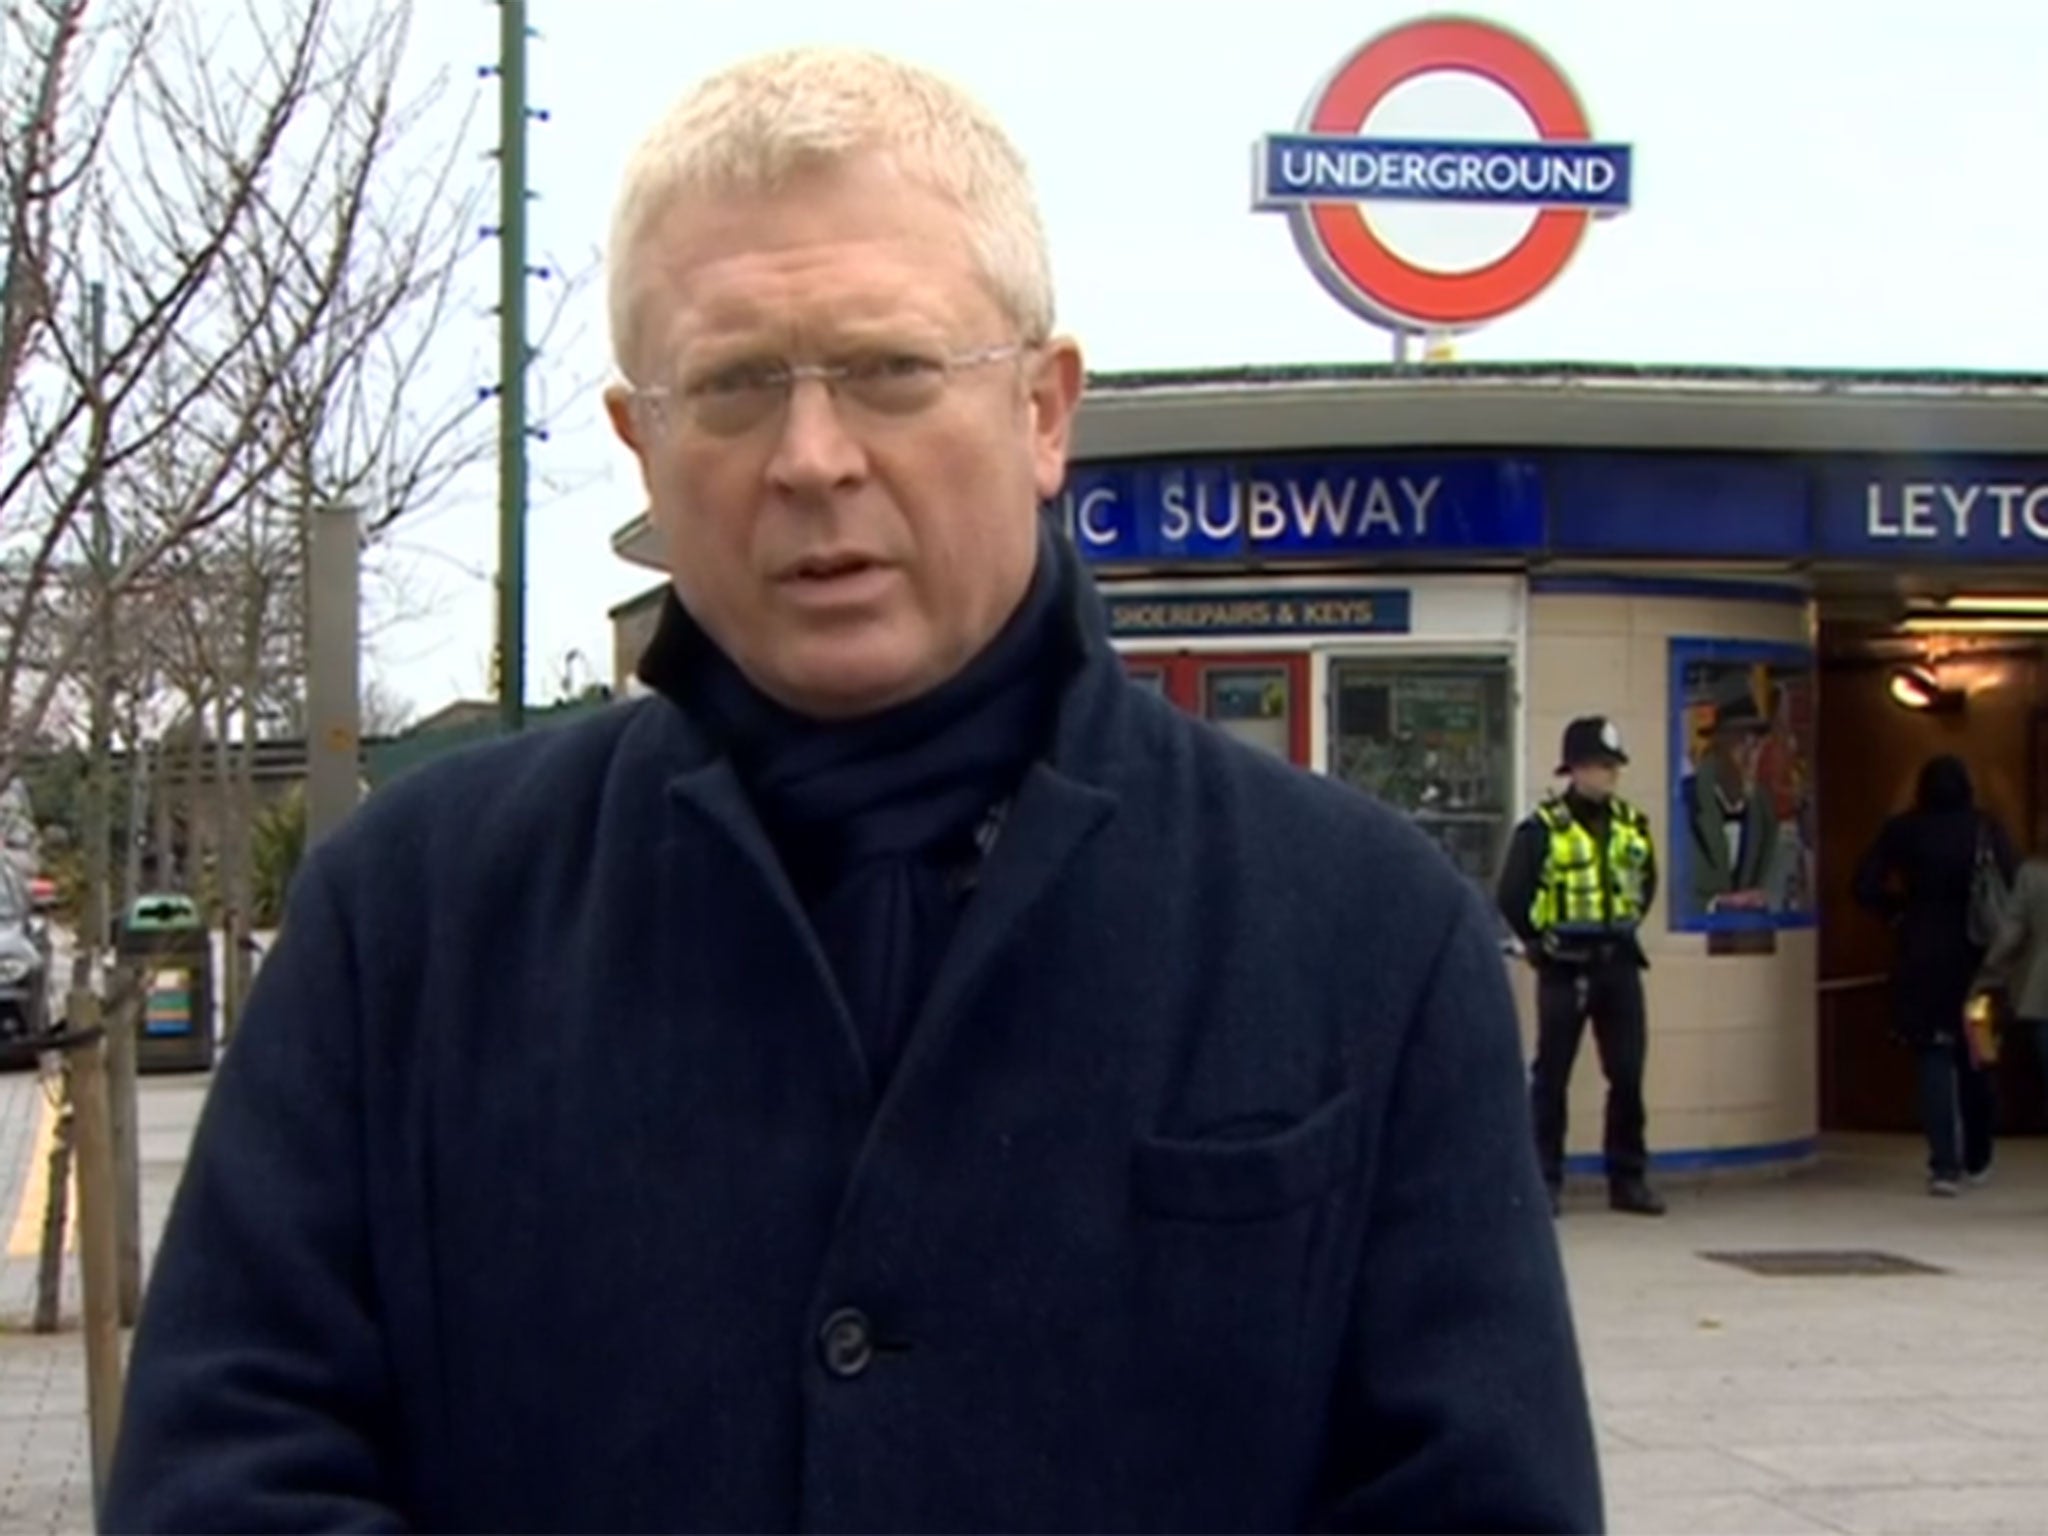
(891, 382)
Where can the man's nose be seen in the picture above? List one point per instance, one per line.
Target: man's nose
(815, 451)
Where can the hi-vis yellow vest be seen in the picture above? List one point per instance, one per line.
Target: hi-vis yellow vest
(1588, 889)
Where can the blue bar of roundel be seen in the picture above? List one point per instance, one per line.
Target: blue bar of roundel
(1276, 190)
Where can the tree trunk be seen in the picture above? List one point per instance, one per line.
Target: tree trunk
(165, 787)
(140, 758)
(199, 839)
(227, 780)
(240, 881)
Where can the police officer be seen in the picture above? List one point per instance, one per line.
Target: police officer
(1580, 875)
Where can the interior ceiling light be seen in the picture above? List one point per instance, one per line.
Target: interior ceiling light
(1917, 687)
(1914, 687)
(1923, 623)
(1996, 602)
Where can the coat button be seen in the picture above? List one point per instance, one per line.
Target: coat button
(846, 1343)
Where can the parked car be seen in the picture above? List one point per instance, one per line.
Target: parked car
(24, 969)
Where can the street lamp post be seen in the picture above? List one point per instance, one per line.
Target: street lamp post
(512, 361)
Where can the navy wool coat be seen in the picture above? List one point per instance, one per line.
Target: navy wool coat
(544, 1187)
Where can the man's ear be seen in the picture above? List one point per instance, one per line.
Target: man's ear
(618, 405)
(1055, 391)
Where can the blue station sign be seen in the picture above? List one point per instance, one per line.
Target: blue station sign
(1262, 510)
(1947, 509)
(1284, 510)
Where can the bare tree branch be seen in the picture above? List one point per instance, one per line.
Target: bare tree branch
(278, 258)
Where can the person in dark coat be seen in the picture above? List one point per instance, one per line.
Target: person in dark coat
(1919, 875)
(901, 1076)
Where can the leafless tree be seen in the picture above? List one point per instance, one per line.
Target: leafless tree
(279, 248)
(122, 170)
(386, 712)
(278, 242)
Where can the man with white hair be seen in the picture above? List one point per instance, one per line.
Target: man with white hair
(901, 1076)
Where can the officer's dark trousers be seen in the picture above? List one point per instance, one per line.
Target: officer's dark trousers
(1610, 993)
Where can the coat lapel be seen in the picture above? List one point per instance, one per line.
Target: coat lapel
(710, 799)
(1712, 826)
(1749, 875)
(1049, 824)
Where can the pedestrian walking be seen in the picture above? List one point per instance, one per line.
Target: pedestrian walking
(1936, 873)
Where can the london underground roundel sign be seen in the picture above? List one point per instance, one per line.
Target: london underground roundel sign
(1330, 176)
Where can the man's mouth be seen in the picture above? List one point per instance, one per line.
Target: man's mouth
(823, 568)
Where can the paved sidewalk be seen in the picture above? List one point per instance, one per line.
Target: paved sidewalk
(45, 1460)
(1726, 1402)
(1732, 1403)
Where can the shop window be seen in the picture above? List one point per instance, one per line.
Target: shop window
(1254, 704)
(1258, 699)
(1433, 737)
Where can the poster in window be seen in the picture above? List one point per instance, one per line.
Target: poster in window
(1433, 740)
(1741, 852)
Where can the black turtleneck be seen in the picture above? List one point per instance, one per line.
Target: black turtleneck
(875, 819)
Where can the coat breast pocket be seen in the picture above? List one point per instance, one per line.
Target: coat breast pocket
(1232, 1179)
(1239, 1296)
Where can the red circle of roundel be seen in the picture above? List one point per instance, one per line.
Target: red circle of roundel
(1403, 290)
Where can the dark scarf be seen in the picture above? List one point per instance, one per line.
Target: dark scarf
(876, 819)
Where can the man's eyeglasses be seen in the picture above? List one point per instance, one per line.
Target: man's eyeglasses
(730, 401)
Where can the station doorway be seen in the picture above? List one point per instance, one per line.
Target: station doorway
(1907, 675)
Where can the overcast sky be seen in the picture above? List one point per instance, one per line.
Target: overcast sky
(1820, 182)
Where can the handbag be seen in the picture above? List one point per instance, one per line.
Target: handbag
(1989, 894)
(1980, 1030)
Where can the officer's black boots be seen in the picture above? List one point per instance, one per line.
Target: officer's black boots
(1635, 1198)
